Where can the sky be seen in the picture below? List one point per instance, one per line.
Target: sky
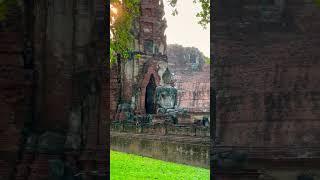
(184, 29)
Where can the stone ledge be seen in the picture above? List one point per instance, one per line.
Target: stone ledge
(182, 139)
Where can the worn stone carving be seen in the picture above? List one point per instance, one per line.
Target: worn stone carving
(167, 76)
(148, 46)
(73, 140)
(125, 113)
(51, 142)
(166, 97)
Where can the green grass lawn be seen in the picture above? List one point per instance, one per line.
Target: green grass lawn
(129, 166)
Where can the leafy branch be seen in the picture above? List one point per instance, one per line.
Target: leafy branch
(203, 15)
(4, 6)
(123, 14)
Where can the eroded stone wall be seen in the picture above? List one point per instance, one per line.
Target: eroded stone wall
(130, 77)
(180, 144)
(192, 80)
(16, 84)
(266, 77)
(194, 90)
(163, 129)
(53, 95)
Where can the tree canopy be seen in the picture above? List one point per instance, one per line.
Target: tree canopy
(203, 15)
(122, 16)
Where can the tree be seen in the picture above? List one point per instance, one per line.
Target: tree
(207, 60)
(204, 14)
(122, 16)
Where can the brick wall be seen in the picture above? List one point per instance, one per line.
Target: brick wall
(193, 91)
(162, 129)
(15, 93)
(114, 91)
(267, 80)
(68, 71)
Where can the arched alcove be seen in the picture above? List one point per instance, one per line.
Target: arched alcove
(150, 96)
(144, 83)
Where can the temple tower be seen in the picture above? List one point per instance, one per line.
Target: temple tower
(148, 61)
(151, 38)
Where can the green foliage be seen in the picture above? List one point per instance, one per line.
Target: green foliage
(121, 27)
(128, 166)
(137, 56)
(207, 60)
(4, 4)
(173, 3)
(317, 2)
(3, 11)
(203, 15)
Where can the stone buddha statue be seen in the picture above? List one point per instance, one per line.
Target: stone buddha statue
(166, 95)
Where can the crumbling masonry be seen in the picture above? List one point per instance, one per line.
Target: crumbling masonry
(53, 90)
(266, 81)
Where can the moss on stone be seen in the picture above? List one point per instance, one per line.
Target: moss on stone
(317, 2)
(4, 6)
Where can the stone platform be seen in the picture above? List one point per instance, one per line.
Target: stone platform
(183, 150)
(188, 145)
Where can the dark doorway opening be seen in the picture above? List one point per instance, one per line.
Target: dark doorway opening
(150, 96)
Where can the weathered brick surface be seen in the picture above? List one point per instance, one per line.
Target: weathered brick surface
(130, 78)
(152, 70)
(67, 72)
(15, 92)
(180, 149)
(266, 76)
(194, 91)
(114, 92)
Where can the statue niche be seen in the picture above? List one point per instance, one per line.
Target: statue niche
(150, 96)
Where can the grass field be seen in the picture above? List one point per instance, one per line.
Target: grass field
(128, 166)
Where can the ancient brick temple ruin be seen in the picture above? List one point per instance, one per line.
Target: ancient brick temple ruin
(266, 81)
(53, 90)
(191, 75)
(136, 74)
(146, 117)
(136, 81)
